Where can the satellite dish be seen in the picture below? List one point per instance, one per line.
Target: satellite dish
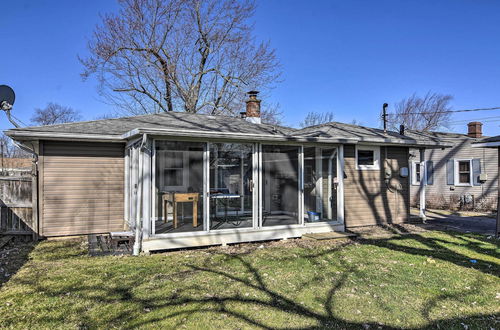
(7, 97)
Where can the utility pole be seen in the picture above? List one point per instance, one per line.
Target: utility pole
(384, 116)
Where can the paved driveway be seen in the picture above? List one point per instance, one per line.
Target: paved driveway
(468, 222)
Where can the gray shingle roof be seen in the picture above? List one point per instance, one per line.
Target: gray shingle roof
(363, 133)
(170, 120)
(490, 139)
(198, 124)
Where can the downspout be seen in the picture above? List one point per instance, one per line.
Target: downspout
(138, 222)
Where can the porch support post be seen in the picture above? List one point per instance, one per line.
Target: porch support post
(340, 185)
(301, 185)
(126, 209)
(423, 183)
(497, 230)
(146, 186)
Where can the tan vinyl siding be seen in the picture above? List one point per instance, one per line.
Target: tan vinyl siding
(440, 191)
(81, 188)
(367, 199)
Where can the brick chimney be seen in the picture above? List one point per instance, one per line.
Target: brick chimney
(475, 129)
(253, 108)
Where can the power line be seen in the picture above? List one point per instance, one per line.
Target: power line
(486, 119)
(449, 111)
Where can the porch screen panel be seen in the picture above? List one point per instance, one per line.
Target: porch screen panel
(178, 186)
(320, 184)
(231, 185)
(280, 184)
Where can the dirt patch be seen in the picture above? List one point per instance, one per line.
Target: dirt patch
(249, 247)
(384, 231)
(13, 256)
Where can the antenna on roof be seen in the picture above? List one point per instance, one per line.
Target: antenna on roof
(7, 99)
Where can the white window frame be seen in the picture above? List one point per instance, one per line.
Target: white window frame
(376, 157)
(185, 171)
(457, 175)
(414, 180)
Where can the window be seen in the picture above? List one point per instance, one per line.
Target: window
(173, 172)
(416, 173)
(463, 172)
(173, 169)
(367, 157)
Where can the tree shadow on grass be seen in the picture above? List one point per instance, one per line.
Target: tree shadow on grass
(13, 256)
(192, 298)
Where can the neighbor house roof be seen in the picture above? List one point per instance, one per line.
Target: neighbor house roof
(199, 125)
(488, 142)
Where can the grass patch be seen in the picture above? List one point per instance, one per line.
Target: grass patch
(410, 281)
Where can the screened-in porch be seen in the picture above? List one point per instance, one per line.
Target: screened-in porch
(226, 187)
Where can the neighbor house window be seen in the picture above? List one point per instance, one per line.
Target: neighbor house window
(367, 157)
(416, 173)
(463, 172)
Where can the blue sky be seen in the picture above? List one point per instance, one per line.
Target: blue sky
(347, 57)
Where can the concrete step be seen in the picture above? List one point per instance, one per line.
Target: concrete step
(329, 235)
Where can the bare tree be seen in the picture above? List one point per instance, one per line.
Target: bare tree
(187, 55)
(272, 114)
(55, 113)
(317, 118)
(426, 113)
(9, 149)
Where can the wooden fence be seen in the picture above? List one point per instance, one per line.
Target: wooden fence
(16, 213)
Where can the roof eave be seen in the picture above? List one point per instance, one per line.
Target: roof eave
(494, 144)
(280, 137)
(33, 135)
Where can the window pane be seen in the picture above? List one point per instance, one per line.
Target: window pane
(173, 177)
(366, 157)
(464, 166)
(464, 178)
(417, 172)
(174, 159)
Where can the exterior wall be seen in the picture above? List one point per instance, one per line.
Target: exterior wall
(81, 188)
(367, 198)
(439, 193)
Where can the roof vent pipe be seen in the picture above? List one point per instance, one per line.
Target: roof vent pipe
(253, 108)
(402, 129)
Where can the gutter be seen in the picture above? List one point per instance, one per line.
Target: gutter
(138, 222)
(62, 136)
(269, 137)
(212, 134)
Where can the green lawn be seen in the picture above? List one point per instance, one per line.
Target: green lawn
(412, 281)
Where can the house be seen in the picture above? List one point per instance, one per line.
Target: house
(460, 176)
(181, 179)
(493, 143)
